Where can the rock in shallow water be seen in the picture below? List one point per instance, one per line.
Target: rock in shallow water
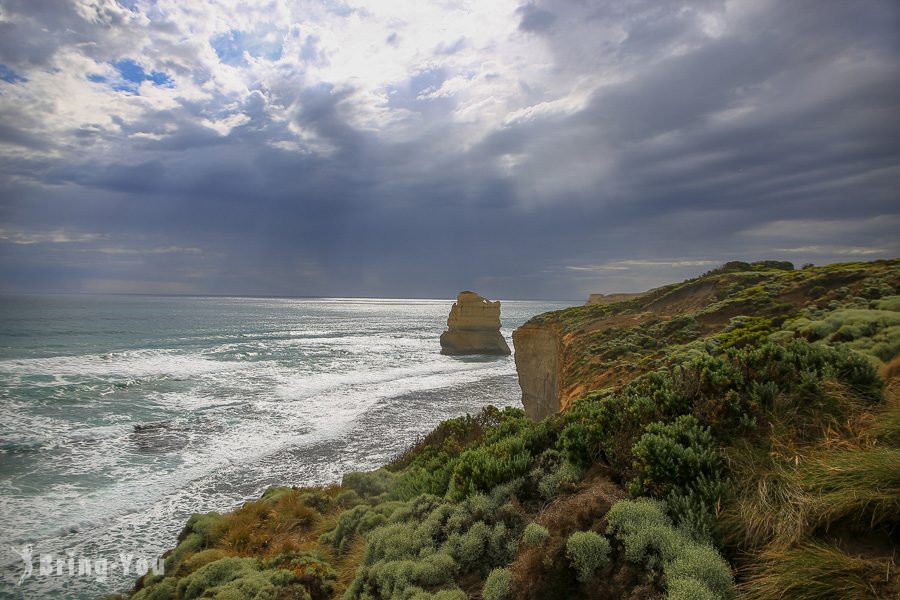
(473, 327)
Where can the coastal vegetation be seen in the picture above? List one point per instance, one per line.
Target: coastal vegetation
(746, 445)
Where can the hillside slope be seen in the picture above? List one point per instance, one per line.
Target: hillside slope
(563, 354)
(737, 435)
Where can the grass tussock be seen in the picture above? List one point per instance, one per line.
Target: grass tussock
(264, 527)
(860, 484)
(817, 571)
(347, 565)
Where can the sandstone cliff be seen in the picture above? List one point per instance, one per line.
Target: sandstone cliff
(537, 363)
(473, 327)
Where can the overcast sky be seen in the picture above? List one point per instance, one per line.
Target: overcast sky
(407, 148)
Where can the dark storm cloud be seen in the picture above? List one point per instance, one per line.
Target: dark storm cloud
(704, 136)
(534, 18)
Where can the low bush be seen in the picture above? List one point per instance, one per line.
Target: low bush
(427, 542)
(702, 564)
(498, 585)
(670, 457)
(689, 589)
(648, 536)
(369, 484)
(234, 577)
(875, 332)
(534, 534)
(310, 569)
(164, 589)
(483, 468)
(357, 520)
(587, 552)
(563, 478)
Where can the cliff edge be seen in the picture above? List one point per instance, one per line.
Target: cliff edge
(562, 355)
(473, 327)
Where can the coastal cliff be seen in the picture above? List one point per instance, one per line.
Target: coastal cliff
(682, 411)
(562, 355)
(473, 327)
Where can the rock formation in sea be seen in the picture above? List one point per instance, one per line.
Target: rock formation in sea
(473, 327)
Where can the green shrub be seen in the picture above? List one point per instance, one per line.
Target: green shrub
(565, 476)
(368, 484)
(164, 589)
(452, 436)
(534, 534)
(426, 542)
(310, 568)
(391, 578)
(688, 589)
(670, 457)
(587, 551)
(703, 564)
(485, 467)
(233, 577)
(871, 331)
(642, 526)
(694, 512)
(498, 585)
(888, 303)
(647, 536)
(395, 542)
(356, 521)
(348, 499)
(743, 330)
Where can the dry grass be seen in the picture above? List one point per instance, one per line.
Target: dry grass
(267, 527)
(766, 501)
(777, 503)
(863, 485)
(347, 564)
(797, 480)
(886, 428)
(816, 571)
(787, 494)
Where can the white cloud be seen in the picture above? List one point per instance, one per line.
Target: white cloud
(834, 250)
(625, 265)
(58, 236)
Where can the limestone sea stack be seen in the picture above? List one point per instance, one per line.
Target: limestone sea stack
(473, 327)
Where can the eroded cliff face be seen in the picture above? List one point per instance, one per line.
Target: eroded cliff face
(537, 365)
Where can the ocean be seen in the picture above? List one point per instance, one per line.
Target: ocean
(122, 415)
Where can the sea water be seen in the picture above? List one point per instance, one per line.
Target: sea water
(122, 415)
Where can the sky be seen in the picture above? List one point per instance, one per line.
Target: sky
(406, 148)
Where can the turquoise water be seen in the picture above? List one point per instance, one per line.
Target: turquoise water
(122, 415)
